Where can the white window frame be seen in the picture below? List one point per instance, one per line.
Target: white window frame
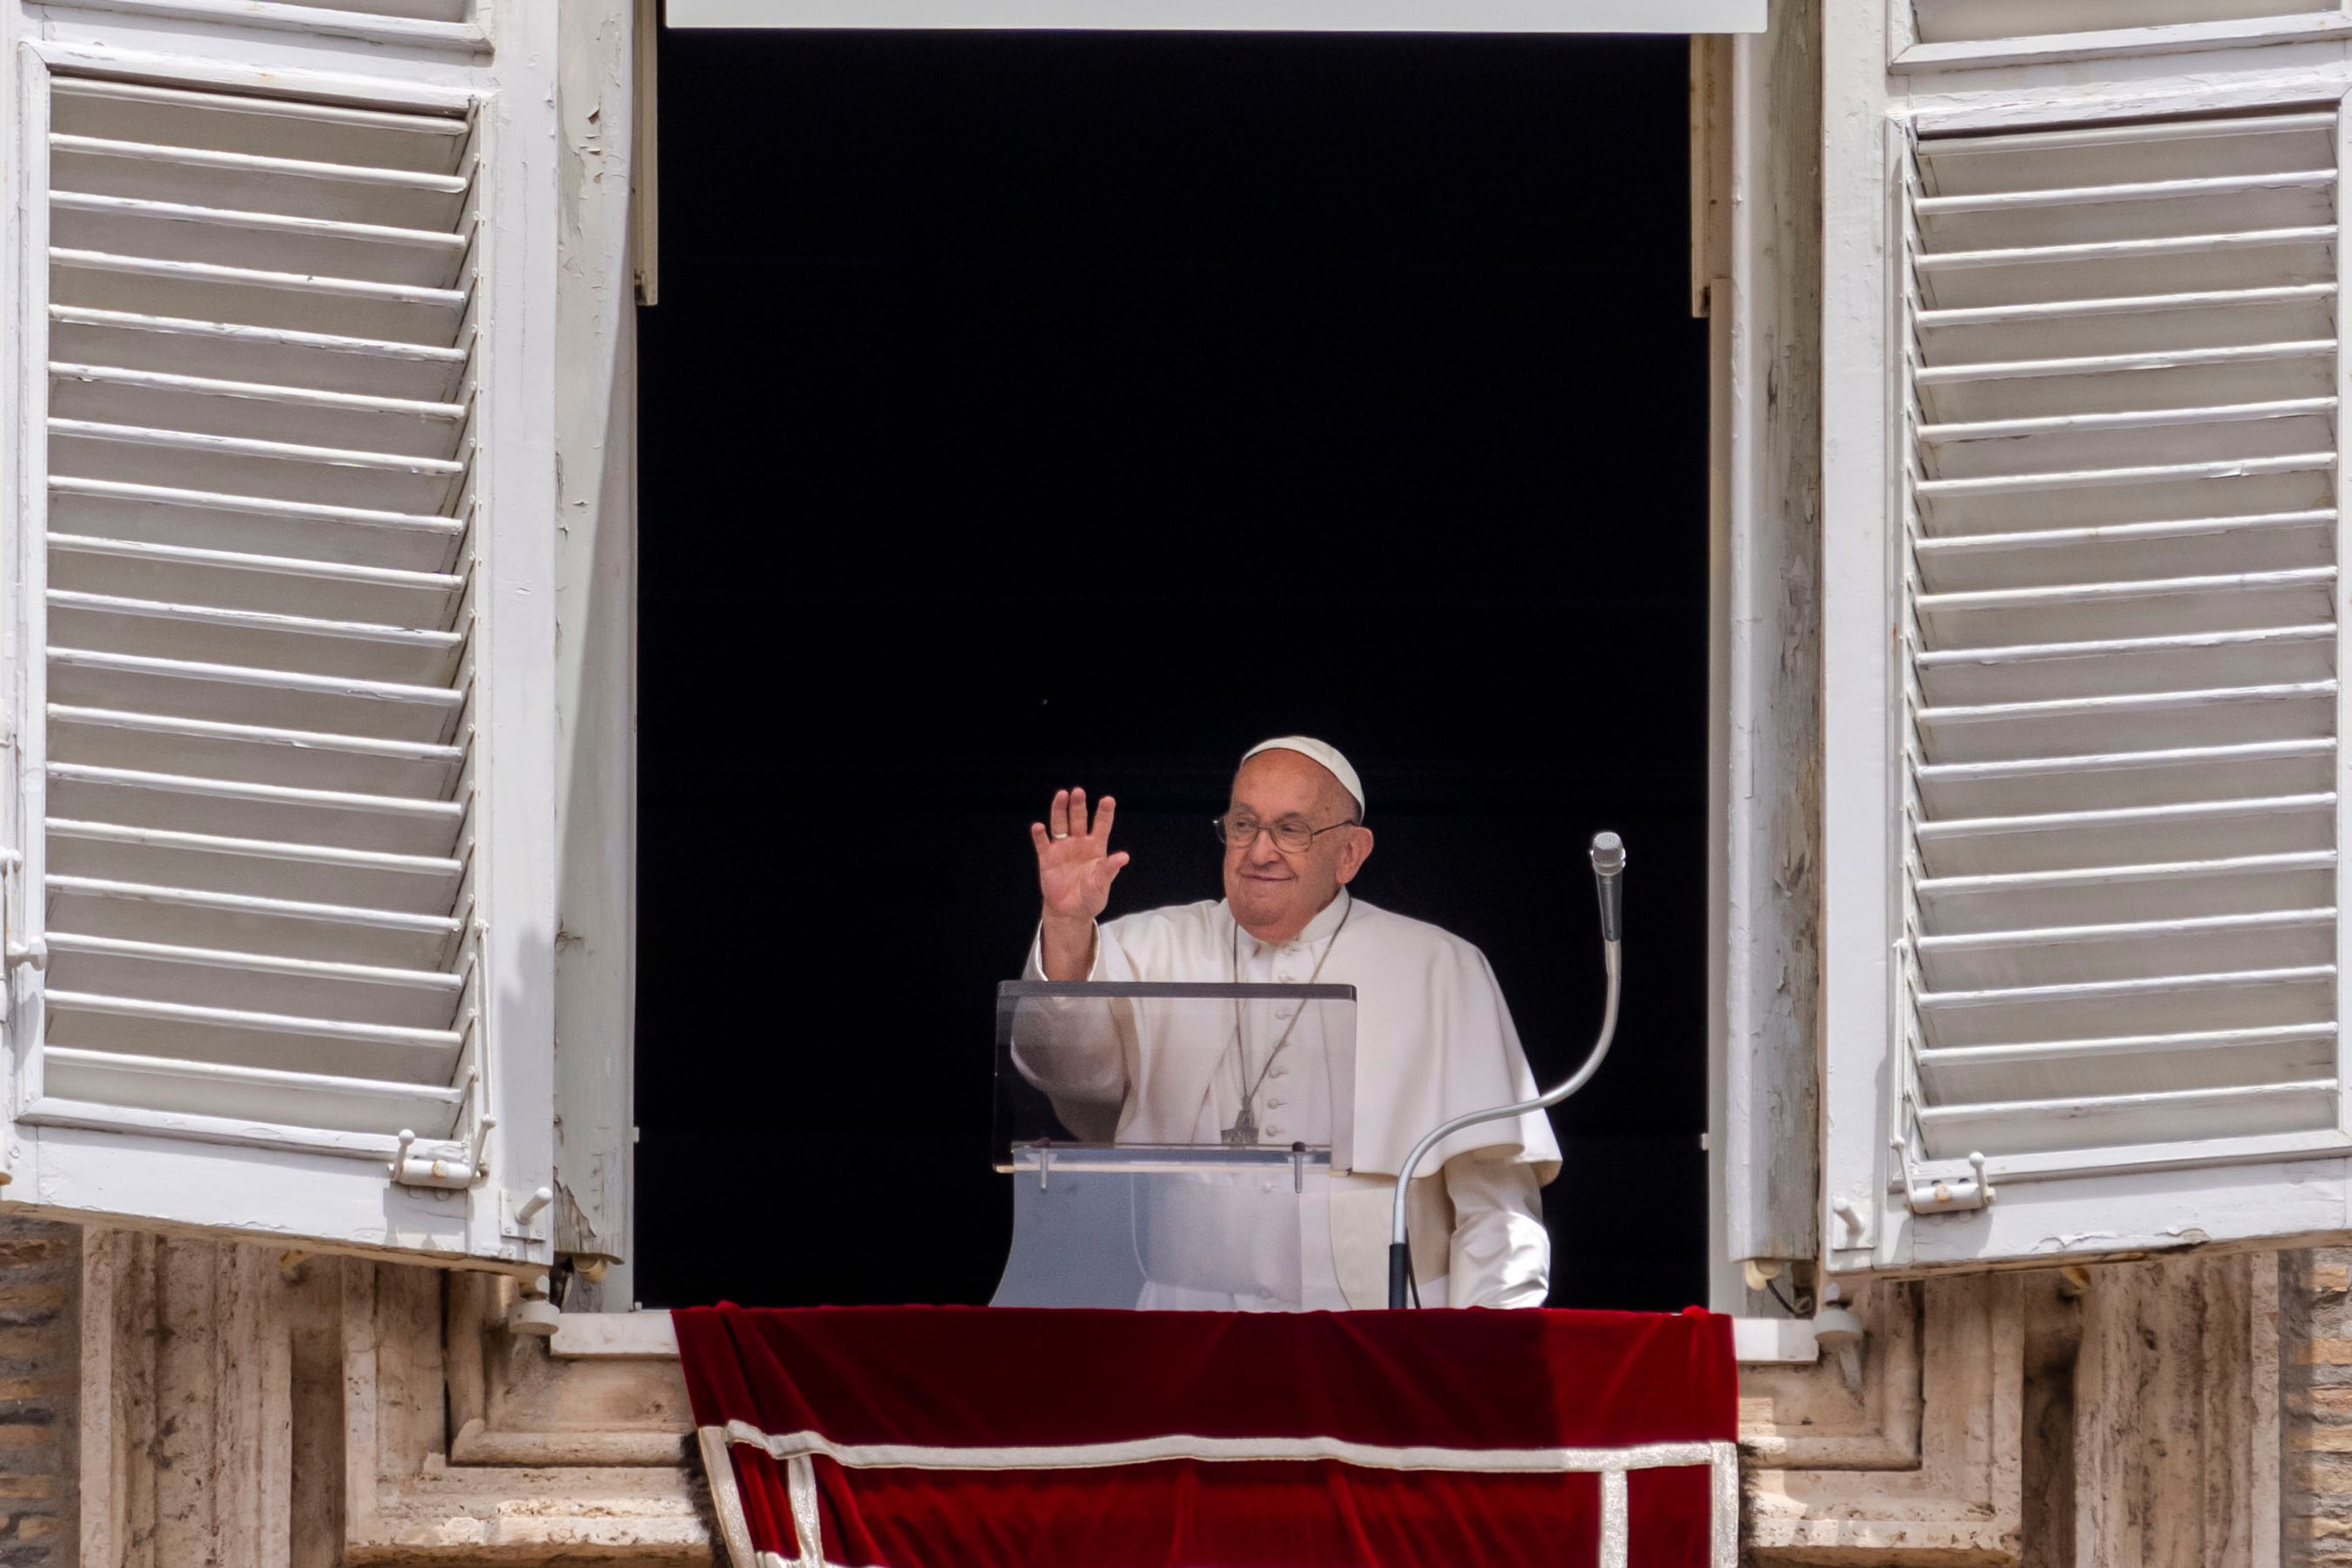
(258, 1185)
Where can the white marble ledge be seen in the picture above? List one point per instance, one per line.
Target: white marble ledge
(615, 1336)
(1777, 1341)
(649, 1336)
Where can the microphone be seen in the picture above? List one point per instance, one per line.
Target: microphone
(1608, 873)
(1608, 877)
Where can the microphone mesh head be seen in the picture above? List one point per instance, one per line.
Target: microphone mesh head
(1607, 854)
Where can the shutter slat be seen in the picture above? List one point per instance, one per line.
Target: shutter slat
(110, 851)
(2192, 1002)
(2149, 890)
(1990, 160)
(2113, 364)
(274, 983)
(441, 1043)
(331, 591)
(2083, 782)
(242, 694)
(259, 850)
(2122, 637)
(388, 198)
(2169, 190)
(289, 415)
(328, 361)
(241, 808)
(252, 274)
(262, 242)
(264, 525)
(281, 452)
(2182, 547)
(310, 759)
(312, 1099)
(2178, 378)
(2018, 21)
(2062, 840)
(287, 909)
(2124, 950)
(2284, 1053)
(2108, 611)
(338, 133)
(2077, 442)
(292, 928)
(2090, 269)
(256, 296)
(62, 599)
(2158, 1116)
(2133, 721)
(2162, 663)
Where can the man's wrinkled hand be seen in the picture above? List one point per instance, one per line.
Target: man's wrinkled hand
(1075, 864)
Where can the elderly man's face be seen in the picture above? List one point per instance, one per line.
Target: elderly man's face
(1274, 892)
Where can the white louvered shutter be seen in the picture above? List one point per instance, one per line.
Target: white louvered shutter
(2115, 616)
(276, 801)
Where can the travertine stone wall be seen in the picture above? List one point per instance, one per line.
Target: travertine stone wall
(248, 1406)
(255, 1407)
(40, 1270)
(2177, 1414)
(2316, 1334)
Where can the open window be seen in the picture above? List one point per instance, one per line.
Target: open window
(279, 910)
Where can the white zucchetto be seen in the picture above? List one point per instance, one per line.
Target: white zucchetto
(1317, 752)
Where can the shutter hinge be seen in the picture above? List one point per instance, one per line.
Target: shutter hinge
(1944, 1195)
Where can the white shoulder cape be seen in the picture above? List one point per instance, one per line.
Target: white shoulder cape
(1434, 1038)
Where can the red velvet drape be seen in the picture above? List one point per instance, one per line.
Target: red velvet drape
(935, 1398)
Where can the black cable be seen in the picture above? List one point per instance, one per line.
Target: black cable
(1775, 1289)
(1412, 1281)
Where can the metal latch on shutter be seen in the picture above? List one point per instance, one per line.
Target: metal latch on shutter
(21, 954)
(465, 1166)
(1943, 1194)
(468, 1167)
(445, 1169)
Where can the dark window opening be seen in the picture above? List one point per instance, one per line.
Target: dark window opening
(1023, 411)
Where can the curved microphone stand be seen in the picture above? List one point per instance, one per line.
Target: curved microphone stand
(1608, 869)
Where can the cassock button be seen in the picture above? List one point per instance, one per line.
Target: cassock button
(1272, 1131)
(1274, 1104)
(1264, 1294)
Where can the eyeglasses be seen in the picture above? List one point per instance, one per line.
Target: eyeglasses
(1239, 830)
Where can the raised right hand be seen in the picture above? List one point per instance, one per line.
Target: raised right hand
(1074, 865)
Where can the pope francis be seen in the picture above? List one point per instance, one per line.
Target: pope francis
(1434, 1038)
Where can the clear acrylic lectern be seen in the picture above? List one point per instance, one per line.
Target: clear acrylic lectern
(1172, 1146)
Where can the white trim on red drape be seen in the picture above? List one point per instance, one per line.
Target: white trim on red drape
(797, 1451)
(1219, 1450)
(726, 1497)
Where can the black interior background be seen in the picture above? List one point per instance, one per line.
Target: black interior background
(1032, 410)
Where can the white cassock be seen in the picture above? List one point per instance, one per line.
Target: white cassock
(1432, 1039)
